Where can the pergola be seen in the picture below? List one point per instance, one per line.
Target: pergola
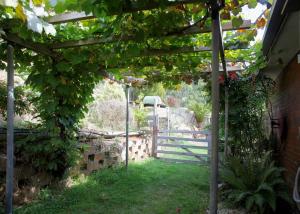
(49, 49)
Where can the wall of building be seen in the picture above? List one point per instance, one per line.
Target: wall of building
(286, 111)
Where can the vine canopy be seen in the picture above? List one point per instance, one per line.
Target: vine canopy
(159, 40)
(152, 38)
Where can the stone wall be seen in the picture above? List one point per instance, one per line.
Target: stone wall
(107, 151)
(100, 150)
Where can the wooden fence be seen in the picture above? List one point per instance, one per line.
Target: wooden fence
(194, 148)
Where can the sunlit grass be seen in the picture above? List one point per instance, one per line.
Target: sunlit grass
(152, 187)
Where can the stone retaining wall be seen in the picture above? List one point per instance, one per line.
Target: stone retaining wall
(101, 150)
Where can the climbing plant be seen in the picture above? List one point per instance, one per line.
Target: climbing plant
(249, 96)
(136, 42)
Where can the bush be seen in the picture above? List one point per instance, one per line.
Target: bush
(109, 115)
(108, 110)
(247, 109)
(254, 184)
(140, 116)
(22, 100)
(200, 110)
(49, 154)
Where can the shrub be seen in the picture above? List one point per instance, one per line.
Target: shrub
(140, 116)
(171, 101)
(22, 100)
(109, 115)
(247, 109)
(108, 110)
(200, 110)
(47, 153)
(254, 184)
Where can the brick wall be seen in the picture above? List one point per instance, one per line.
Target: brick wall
(286, 108)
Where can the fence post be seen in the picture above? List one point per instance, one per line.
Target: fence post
(10, 130)
(155, 130)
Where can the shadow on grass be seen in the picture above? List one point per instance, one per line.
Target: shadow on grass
(151, 187)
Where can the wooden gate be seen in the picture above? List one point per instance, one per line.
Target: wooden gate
(182, 146)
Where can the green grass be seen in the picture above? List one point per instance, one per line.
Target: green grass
(151, 187)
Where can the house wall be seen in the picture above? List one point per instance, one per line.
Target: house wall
(286, 109)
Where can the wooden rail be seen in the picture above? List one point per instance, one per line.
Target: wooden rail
(182, 146)
(181, 139)
(172, 160)
(181, 153)
(184, 132)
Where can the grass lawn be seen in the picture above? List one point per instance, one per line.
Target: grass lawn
(151, 187)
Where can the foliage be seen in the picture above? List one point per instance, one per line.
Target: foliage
(189, 93)
(61, 102)
(2, 209)
(47, 153)
(140, 116)
(106, 90)
(246, 130)
(65, 81)
(254, 184)
(246, 124)
(145, 29)
(109, 115)
(107, 111)
(200, 110)
(22, 100)
(157, 89)
(162, 187)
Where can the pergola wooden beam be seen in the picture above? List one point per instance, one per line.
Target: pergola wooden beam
(171, 51)
(34, 46)
(43, 49)
(151, 4)
(177, 50)
(185, 31)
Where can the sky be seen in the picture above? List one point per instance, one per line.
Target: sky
(253, 14)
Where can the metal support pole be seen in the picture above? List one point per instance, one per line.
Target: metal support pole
(215, 113)
(168, 122)
(226, 122)
(127, 123)
(10, 130)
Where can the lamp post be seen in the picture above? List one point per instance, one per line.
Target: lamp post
(129, 81)
(127, 123)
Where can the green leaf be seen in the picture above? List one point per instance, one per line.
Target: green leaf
(63, 66)
(237, 21)
(236, 11)
(252, 3)
(249, 203)
(265, 186)
(259, 200)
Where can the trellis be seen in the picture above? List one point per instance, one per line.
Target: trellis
(49, 50)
